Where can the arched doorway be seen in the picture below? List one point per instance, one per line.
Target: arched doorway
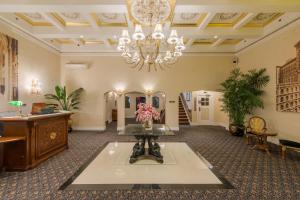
(132, 99)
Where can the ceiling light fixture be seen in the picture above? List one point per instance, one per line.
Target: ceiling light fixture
(153, 50)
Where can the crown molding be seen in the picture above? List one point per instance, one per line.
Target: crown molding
(27, 35)
(295, 22)
(117, 54)
(31, 37)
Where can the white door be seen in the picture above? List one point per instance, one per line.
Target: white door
(204, 109)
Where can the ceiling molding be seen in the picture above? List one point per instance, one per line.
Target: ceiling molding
(27, 35)
(295, 22)
(116, 54)
(229, 34)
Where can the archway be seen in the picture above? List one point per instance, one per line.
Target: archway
(202, 107)
(132, 99)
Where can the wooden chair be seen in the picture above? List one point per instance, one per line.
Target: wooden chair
(256, 125)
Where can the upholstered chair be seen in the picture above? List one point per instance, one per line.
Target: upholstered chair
(256, 125)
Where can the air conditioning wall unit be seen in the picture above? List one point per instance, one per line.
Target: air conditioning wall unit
(77, 65)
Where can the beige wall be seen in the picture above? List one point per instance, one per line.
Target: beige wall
(110, 72)
(220, 117)
(110, 99)
(35, 62)
(269, 53)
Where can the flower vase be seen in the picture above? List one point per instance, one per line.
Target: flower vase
(148, 125)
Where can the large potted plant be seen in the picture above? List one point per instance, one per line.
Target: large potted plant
(65, 101)
(243, 93)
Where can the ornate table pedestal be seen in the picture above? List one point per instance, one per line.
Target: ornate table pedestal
(140, 152)
(148, 136)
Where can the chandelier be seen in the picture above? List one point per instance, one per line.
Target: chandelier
(153, 50)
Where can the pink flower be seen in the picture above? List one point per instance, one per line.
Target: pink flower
(146, 112)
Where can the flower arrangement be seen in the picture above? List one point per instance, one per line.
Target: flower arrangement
(146, 113)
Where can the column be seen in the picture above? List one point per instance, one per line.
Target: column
(121, 111)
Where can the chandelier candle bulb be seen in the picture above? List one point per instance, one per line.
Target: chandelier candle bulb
(168, 55)
(173, 39)
(138, 33)
(180, 45)
(158, 34)
(125, 37)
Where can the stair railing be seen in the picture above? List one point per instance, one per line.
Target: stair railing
(186, 108)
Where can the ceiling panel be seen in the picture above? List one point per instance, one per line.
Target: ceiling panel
(263, 19)
(70, 19)
(110, 19)
(92, 41)
(226, 19)
(231, 41)
(205, 41)
(188, 19)
(34, 19)
(62, 41)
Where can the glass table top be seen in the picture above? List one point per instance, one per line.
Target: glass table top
(139, 129)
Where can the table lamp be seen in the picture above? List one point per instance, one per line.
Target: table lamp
(17, 104)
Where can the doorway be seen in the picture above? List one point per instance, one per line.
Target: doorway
(139, 100)
(132, 100)
(205, 109)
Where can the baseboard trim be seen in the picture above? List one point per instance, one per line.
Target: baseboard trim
(174, 128)
(79, 128)
(120, 128)
(225, 125)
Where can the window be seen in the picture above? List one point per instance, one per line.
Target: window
(204, 101)
(127, 102)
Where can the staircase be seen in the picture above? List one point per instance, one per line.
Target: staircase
(183, 118)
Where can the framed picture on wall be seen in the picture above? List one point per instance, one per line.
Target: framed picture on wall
(127, 102)
(288, 84)
(8, 68)
(155, 102)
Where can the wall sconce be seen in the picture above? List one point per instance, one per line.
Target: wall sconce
(149, 92)
(35, 87)
(119, 92)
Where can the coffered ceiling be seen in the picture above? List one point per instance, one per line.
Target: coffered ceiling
(95, 25)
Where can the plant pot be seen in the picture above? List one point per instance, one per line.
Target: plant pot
(236, 130)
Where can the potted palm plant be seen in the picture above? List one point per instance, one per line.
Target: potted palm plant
(64, 101)
(243, 93)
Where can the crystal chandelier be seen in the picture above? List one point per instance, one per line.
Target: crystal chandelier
(154, 50)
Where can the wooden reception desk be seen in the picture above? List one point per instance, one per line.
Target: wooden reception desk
(43, 136)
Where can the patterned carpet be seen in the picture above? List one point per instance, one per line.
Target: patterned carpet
(253, 173)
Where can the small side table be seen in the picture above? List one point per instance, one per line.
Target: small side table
(261, 142)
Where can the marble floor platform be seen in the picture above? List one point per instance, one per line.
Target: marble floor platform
(110, 169)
